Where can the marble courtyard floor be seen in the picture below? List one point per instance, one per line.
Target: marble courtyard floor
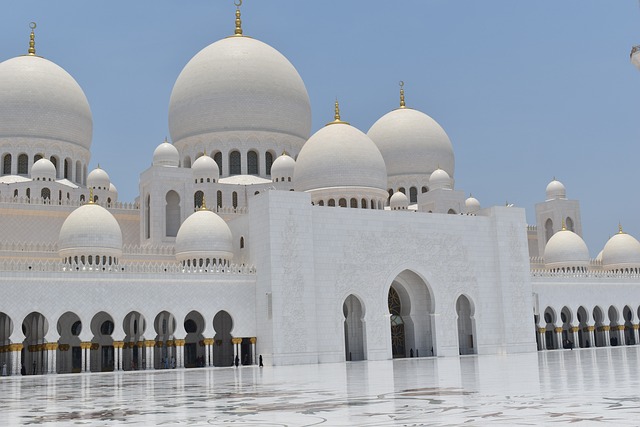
(588, 386)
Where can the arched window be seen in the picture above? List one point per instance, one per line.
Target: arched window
(234, 196)
(148, 217)
(45, 193)
(390, 191)
(331, 203)
(268, 162)
(413, 195)
(54, 160)
(82, 197)
(218, 159)
(6, 164)
(15, 193)
(234, 163)
(354, 203)
(186, 163)
(402, 190)
(197, 199)
(321, 203)
(219, 196)
(23, 164)
(252, 163)
(84, 175)
(241, 242)
(425, 189)
(79, 172)
(37, 157)
(342, 203)
(548, 229)
(451, 211)
(364, 203)
(172, 214)
(569, 224)
(67, 169)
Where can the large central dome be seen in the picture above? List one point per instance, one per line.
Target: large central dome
(238, 84)
(41, 101)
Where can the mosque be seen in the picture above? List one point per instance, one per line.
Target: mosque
(252, 238)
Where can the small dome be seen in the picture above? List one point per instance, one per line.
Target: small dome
(412, 143)
(565, 249)
(472, 204)
(622, 251)
(43, 170)
(113, 189)
(339, 155)
(399, 201)
(98, 179)
(556, 190)
(283, 168)
(205, 167)
(204, 236)
(90, 230)
(440, 179)
(166, 154)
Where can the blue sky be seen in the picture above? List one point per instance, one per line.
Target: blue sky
(525, 90)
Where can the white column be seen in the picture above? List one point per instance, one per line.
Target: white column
(207, 352)
(542, 338)
(574, 334)
(559, 338)
(149, 346)
(591, 335)
(253, 350)
(179, 353)
(118, 355)
(636, 335)
(86, 359)
(52, 349)
(14, 363)
(607, 336)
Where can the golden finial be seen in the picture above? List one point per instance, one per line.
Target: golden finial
(238, 32)
(204, 203)
(205, 151)
(166, 140)
(620, 229)
(564, 225)
(284, 153)
(336, 116)
(32, 39)
(402, 105)
(90, 195)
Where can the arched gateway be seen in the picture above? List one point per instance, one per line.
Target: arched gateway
(411, 309)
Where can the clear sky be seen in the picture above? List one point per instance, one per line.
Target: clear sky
(525, 90)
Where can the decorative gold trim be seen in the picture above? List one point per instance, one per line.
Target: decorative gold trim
(558, 330)
(118, 344)
(16, 347)
(85, 345)
(575, 329)
(95, 346)
(179, 343)
(32, 40)
(542, 330)
(336, 116)
(637, 326)
(621, 327)
(591, 328)
(51, 346)
(170, 343)
(238, 31)
(236, 340)
(253, 340)
(402, 104)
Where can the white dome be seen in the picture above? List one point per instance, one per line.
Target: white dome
(43, 170)
(399, 201)
(90, 230)
(204, 235)
(239, 84)
(339, 155)
(556, 190)
(440, 179)
(205, 167)
(620, 252)
(98, 178)
(166, 154)
(113, 189)
(635, 56)
(412, 143)
(472, 204)
(283, 168)
(565, 249)
(40, 100)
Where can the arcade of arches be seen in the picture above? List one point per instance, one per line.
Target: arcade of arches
(411, 315)
(144, 346)
(595, 327)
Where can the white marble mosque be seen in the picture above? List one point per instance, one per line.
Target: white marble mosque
(253, 238)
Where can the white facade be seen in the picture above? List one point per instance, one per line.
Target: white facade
(220, 261)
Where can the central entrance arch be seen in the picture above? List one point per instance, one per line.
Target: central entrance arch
(411, 309)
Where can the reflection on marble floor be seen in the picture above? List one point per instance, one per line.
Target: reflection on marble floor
(555, 387)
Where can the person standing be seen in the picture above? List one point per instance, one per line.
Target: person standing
(261, 365)
(237, 361)
(4, 369)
